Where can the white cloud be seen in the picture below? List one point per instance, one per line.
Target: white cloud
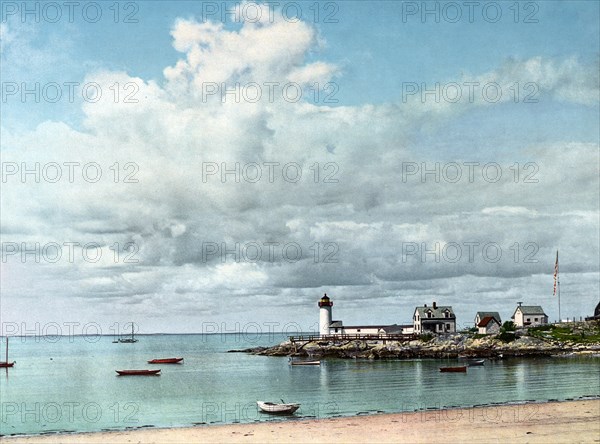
(370, 215)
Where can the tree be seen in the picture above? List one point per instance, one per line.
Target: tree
(508, 326)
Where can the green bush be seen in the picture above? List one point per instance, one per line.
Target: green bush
(508, 326)
(426, 337)
(507, 336)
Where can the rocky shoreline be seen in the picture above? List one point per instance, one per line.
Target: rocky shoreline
(447, 346)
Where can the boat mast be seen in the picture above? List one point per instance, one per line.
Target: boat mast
(131, 331)
(7, 349)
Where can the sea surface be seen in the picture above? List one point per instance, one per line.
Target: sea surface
(69, 384)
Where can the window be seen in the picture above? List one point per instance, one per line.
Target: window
(447, 327)
(336, 330)
(358, 330)
(447, 314)
(429, 314)
(535, 319)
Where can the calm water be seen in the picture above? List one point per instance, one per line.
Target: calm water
(70, 384)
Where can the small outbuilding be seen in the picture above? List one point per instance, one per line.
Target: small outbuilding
(480, 315)
(488, 325)
(529, 315)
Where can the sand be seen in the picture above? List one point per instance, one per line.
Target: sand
(556, 422)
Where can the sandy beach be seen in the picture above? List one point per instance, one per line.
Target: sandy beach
(556, 422)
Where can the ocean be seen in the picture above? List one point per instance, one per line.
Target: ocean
(69, 384)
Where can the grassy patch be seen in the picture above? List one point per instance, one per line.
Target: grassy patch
(572, 334)
(479, 336)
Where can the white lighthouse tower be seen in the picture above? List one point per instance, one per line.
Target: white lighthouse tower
(325, 305)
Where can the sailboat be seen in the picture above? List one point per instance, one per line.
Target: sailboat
(128, 340)
(6, 364)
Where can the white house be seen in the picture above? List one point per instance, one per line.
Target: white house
(529, 315)
(488, 325)
(435, 319)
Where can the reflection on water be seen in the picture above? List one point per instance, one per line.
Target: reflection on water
(71, 384)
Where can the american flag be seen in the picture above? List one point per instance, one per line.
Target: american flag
(555, 273)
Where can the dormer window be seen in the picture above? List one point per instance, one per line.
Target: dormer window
(429, 314)
(447, 314)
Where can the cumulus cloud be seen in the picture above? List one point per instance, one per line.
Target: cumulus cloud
(185, 173)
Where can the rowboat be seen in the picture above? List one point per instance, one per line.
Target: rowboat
(277, 409)
(138, 372)
(165, 361)
(461, 369)
(476, 362)
(305, 362)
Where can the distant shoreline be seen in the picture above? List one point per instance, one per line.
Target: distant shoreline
(543, 422)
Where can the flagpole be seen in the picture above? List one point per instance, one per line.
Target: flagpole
(558, 285)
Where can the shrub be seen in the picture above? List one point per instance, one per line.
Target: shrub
(426, 337)
(508, 326)
(507, 336)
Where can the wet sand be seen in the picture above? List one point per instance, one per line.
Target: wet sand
(555, 422)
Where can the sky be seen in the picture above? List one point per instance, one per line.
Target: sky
(216, 167)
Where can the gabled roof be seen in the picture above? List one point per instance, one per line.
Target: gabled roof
(487, 320)
(437, 312)
(336, 324)
(530, 310)
(395, 329)
(484, 314)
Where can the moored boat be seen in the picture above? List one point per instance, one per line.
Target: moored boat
(131, 340)
(305, 362)
(276, 408)
(138, 372)
(461, 369)
(476, 362)
(165, 361)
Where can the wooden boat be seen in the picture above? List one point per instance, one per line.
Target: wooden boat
(165, 361)
(276, 408)
(305, 362)
(6, 364)
(461, 369)
(476, 362)
(128, 340)
(138, 372)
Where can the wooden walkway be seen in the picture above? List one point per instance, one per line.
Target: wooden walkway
(366, 337)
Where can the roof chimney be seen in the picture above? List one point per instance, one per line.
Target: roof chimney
(424, 305)
(519, 303)
(434, 305)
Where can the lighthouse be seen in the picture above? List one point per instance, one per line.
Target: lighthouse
(325, 305)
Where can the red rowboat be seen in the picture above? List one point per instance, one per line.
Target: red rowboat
(462, 369)
(166, 361)
(138, 372)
